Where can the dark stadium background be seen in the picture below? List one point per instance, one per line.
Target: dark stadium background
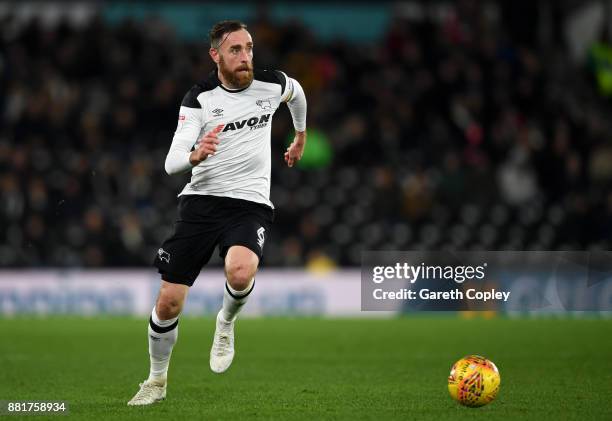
(464, 125)
(433, 125)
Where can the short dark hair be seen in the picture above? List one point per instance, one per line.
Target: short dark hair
(222, 28)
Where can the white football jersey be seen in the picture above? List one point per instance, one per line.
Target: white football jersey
(241, 166)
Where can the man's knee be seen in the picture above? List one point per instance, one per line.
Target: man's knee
(239, 275)
(240, 267)
(170, 300)
(167, 308)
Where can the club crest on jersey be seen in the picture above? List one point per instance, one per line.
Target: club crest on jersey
(163, 255)
(265, 104)
(253, 123)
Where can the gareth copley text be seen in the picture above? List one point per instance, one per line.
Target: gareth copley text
(456, 294)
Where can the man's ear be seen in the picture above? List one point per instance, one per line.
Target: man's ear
(214, 54)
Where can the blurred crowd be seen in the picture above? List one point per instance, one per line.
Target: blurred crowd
(445, 134)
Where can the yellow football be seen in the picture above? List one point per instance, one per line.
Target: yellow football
(474, 381)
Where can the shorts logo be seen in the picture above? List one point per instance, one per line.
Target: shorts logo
(163, 255)
(261, 237)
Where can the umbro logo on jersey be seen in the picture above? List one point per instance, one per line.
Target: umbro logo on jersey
(253, 123)
(265, 104)
(217, 112)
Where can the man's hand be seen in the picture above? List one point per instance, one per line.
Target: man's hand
(205, 146)
(296, 149)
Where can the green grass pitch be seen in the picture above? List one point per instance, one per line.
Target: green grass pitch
(312, 369)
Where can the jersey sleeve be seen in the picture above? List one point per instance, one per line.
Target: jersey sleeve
(287, 86)
(186, 135)
(293, 94)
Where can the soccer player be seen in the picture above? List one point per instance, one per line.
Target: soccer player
(223, 138)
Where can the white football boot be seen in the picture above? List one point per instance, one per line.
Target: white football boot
(222, 352)
(151, 391)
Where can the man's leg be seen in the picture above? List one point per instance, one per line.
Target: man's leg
(162, 334)
(240, 267)
(163, 327)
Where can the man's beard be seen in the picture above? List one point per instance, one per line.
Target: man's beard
(237, 79)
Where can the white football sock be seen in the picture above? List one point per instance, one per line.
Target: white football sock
(234, 300)
(162, 337)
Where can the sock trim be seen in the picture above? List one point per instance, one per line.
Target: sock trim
(239, 297)
(159, 329)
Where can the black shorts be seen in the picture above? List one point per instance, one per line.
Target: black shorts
(205, 222)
